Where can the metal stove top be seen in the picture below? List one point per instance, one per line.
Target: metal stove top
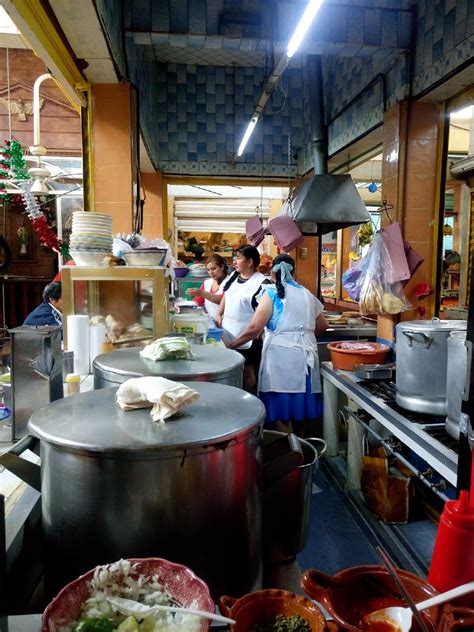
(434, 425)
(424, 434)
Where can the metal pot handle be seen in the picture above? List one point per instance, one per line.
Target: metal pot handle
(411, 335)
(467, 383)
(321, 449)
(28, 472)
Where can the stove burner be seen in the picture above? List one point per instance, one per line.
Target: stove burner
(434, 425)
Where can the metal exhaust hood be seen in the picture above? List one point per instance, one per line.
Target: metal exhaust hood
(324, 203)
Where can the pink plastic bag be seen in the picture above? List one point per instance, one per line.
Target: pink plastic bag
(393, 240)
(286, 232)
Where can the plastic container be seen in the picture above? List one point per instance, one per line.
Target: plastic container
(214, 333)
(180, 272)
(73, 382)
(195, 322)
(347, 358)
(452, 563)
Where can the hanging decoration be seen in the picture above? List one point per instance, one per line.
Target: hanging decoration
(5, 166)
(43, 228)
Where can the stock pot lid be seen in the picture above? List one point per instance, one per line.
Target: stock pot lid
(94, 421)
(208, 360)
(435, 324)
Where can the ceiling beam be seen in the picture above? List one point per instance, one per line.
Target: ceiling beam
(47, 41)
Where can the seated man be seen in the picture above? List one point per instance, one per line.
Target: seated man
(49, 312)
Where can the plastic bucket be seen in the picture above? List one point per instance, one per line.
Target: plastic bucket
(287, 504)
(191, 323)
(215, 334)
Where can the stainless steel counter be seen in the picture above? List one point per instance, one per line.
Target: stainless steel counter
(412, 434)
(21, 623)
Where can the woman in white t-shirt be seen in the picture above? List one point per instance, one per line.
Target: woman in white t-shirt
(209, 295)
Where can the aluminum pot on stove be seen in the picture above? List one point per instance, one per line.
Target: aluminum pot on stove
(421, 364)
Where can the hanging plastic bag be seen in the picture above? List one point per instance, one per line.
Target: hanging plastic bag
(378, 295)
(353, 279)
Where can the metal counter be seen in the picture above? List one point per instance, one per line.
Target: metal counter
(414, 435)
(211, 363)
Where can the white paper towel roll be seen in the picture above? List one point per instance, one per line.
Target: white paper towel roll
(78, 341)
(96, 340)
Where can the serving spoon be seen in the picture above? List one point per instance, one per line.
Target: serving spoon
(401, 618)
(131, 607)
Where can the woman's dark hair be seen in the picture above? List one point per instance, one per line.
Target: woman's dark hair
(198, 253)
(247, 252)
(219, 261)
(52, 290)
(279, 285)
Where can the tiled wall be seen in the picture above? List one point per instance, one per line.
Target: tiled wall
(194, 116)
(444, 42)
(203, 111)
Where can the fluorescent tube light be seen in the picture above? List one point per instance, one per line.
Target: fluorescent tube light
(248, 133)
(303, 26)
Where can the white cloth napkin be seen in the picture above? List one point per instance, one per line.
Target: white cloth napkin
(165, 397)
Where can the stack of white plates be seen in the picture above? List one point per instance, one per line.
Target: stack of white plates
(91, 237)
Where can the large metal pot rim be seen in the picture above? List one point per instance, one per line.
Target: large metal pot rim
(209, 360)
(433, 325)
(93, 421)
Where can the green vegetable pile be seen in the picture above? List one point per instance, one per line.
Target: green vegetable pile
(103, 624)
(294, 623)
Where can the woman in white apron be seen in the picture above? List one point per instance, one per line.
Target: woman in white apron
(237, 308)
(288, 382)
(209, 294)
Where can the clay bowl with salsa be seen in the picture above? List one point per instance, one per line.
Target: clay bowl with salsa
(355, 592)
(257, 611)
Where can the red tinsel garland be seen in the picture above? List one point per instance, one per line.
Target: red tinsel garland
(46, 234)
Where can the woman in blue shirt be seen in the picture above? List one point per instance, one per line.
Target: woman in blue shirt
(288, 382)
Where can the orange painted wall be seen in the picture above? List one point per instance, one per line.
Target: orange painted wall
(409, 183)
(152, 188)
(112, 154)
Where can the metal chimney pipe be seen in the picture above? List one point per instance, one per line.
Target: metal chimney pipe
(317, 120)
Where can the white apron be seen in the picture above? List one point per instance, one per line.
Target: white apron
(238, 310)
(210, 307)
(291, 350)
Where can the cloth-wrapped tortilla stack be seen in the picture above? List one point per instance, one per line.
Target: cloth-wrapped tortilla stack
(165, 397)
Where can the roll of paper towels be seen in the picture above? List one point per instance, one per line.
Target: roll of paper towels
(78, 341)
(96, 340)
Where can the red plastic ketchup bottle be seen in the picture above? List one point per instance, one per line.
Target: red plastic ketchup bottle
(453, 555)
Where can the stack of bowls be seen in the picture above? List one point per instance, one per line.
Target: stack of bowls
(91, 238)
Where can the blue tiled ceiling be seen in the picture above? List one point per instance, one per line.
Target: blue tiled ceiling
(200, 66)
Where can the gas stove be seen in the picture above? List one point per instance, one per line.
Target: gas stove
(424, 435)
(434, 425)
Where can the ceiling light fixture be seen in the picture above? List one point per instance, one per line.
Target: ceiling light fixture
(302, 28)
(248, 133)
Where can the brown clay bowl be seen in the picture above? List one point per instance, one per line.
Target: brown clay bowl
(262, 607)
(355, 592)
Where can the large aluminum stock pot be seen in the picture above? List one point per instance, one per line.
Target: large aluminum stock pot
(211, 363)
(421, 361)
(116, 484)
